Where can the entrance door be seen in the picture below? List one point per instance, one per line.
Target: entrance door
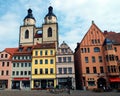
(43, 84)
(101, 82)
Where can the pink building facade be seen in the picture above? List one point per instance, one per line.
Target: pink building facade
(6, 68)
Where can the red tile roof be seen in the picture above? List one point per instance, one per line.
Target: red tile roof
(113, 36)
(38, 35)
(11, 50)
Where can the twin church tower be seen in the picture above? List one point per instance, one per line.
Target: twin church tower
(31, 35)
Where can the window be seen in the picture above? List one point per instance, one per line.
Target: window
(26, 34)
(108, 68)
(65, 70)
(17, 64)
(7, 72)
(20, 49)
(36, 53)
(22, 64)
(29, 49)
(1, 55)
(17, 72)
(94, 70)
(29, 64)
(13, 64)
(51, 61)
(117, 58)
(87, 70)
(3, 64)
(2, 72)
(92, 41)
(101, 69)
(51, 52)
(49, 32)
(36, 61)
(100, 58)
(60, 70)
(13, 73)
(21, 72)
(109, 47)
(25, 72)
(93, 59)
(41, 61)
(41, 53)
(86, 60)
(88, 50)
(51, 70)
(115, 49)
(70, 70)
(36, 71)
(46, 61)
(25, 64)
(96, 49)
(64, 59)
(41, 71)
(6, 55)
(98, 40)
(29, 72)
(59, 59)
(46, 52)
(69, 59)
(46, 71)
(91, 83)
(7, 64)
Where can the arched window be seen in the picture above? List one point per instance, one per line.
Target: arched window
(96, 49)
(26, 34)
(49, 32)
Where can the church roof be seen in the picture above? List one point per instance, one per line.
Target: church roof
(29, 15)
(50, 12)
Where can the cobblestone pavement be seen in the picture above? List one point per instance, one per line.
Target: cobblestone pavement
(47, 93)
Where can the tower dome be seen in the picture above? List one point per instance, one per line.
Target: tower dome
(50, 17)
(29, 19)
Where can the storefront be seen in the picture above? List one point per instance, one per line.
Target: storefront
(21, 83)
(43, 83)
(3, 84)
(115, 83)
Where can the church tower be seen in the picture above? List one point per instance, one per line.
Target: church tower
(50, 28)
(27, 31)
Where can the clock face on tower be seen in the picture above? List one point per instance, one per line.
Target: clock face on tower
(49, 17)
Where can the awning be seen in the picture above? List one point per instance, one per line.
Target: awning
(114, 79)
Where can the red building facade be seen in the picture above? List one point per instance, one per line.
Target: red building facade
(97, 59)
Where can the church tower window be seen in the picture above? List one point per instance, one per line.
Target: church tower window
(49, 32)
(26, 34)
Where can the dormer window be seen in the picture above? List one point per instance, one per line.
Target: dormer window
(26, 34)
(49, 32)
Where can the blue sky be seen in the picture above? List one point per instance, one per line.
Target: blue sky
(74, 18)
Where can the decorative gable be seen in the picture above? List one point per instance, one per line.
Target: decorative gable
(94, 36)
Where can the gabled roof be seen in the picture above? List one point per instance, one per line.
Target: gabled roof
(95, 27)
(11, 51)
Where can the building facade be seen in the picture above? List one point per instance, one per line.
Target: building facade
(21, 68)
(65, 66)
(96, 60)
(6, 67)
(44, 66)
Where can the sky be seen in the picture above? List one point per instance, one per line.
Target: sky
(74, 18)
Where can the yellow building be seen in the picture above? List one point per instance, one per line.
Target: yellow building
(43, 66)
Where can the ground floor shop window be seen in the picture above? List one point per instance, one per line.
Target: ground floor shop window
(3, 84)
(91, 83)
